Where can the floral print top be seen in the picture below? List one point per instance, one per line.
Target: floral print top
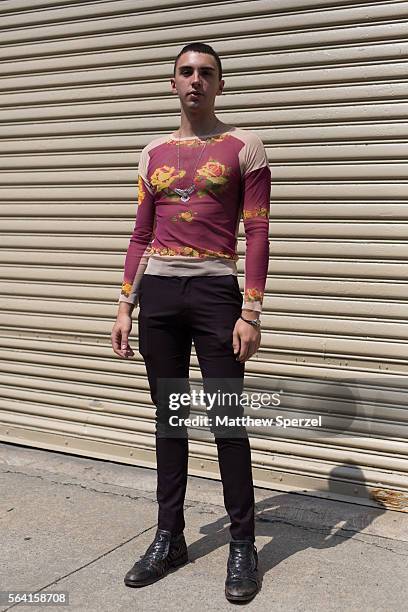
(231, 180)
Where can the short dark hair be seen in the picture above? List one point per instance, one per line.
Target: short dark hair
(199, 47)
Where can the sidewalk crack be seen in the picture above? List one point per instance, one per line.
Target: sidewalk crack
(78, 569)
(337, 534)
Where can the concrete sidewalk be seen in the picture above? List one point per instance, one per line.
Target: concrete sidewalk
(77, 525)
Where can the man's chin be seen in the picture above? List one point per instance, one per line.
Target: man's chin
(194, 100)
(191, 105)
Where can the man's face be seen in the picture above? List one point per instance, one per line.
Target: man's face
(196, 81)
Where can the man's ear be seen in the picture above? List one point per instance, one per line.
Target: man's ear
(173, 85)
(220, 87)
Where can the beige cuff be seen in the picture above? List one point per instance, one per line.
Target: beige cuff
(257, 306)
(128, 300)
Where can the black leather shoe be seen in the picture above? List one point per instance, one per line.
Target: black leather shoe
(164, 553)
(242, 571)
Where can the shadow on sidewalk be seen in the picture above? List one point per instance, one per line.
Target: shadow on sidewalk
(288, 529)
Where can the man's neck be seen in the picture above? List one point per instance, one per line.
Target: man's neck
(198, 126)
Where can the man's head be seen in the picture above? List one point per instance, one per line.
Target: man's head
(197, 77)
(200, 47)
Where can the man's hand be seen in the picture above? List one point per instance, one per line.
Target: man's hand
(120, 334)
(245, 340)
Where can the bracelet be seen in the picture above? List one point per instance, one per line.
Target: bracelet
(254, 322)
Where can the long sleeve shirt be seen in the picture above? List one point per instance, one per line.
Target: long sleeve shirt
(231, 180)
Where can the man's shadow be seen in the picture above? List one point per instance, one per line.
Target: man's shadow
(289, 522)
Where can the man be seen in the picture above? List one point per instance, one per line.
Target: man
(194, 186)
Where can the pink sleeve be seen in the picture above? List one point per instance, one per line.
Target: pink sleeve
(255, 212)
(136, 259)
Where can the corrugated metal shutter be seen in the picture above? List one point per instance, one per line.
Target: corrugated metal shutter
(83, 87)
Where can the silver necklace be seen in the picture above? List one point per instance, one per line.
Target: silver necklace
(186, 193)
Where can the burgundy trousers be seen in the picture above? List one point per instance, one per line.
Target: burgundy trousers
(174, 312)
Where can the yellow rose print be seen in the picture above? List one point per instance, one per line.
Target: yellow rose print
(214, 172)
(196, 142)
(253, 295)
(126, 288)
(189, 251)
(219, 138)
(186, 250)
(257, 212)
(141, 191)
(187, 215)
(213, 176)
(163, 177)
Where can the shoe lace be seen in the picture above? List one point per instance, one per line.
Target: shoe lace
(155, 551)
(240, 563)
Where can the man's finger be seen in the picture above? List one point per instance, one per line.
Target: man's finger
(235, 341)
(258, 343)
(252, 349)
(244, 350)
(115, 340)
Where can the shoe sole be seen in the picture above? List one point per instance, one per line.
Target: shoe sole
(172, 566)
(241, 598)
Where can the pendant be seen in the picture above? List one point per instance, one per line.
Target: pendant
(185, 193)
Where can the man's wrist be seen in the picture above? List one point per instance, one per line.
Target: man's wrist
(254, 322)
(250, 314)
(125, 308)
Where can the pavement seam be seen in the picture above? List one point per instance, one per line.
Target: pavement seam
(197, 504)
(71, 573)
(329, 531)
(138, 494)
(68, 483)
